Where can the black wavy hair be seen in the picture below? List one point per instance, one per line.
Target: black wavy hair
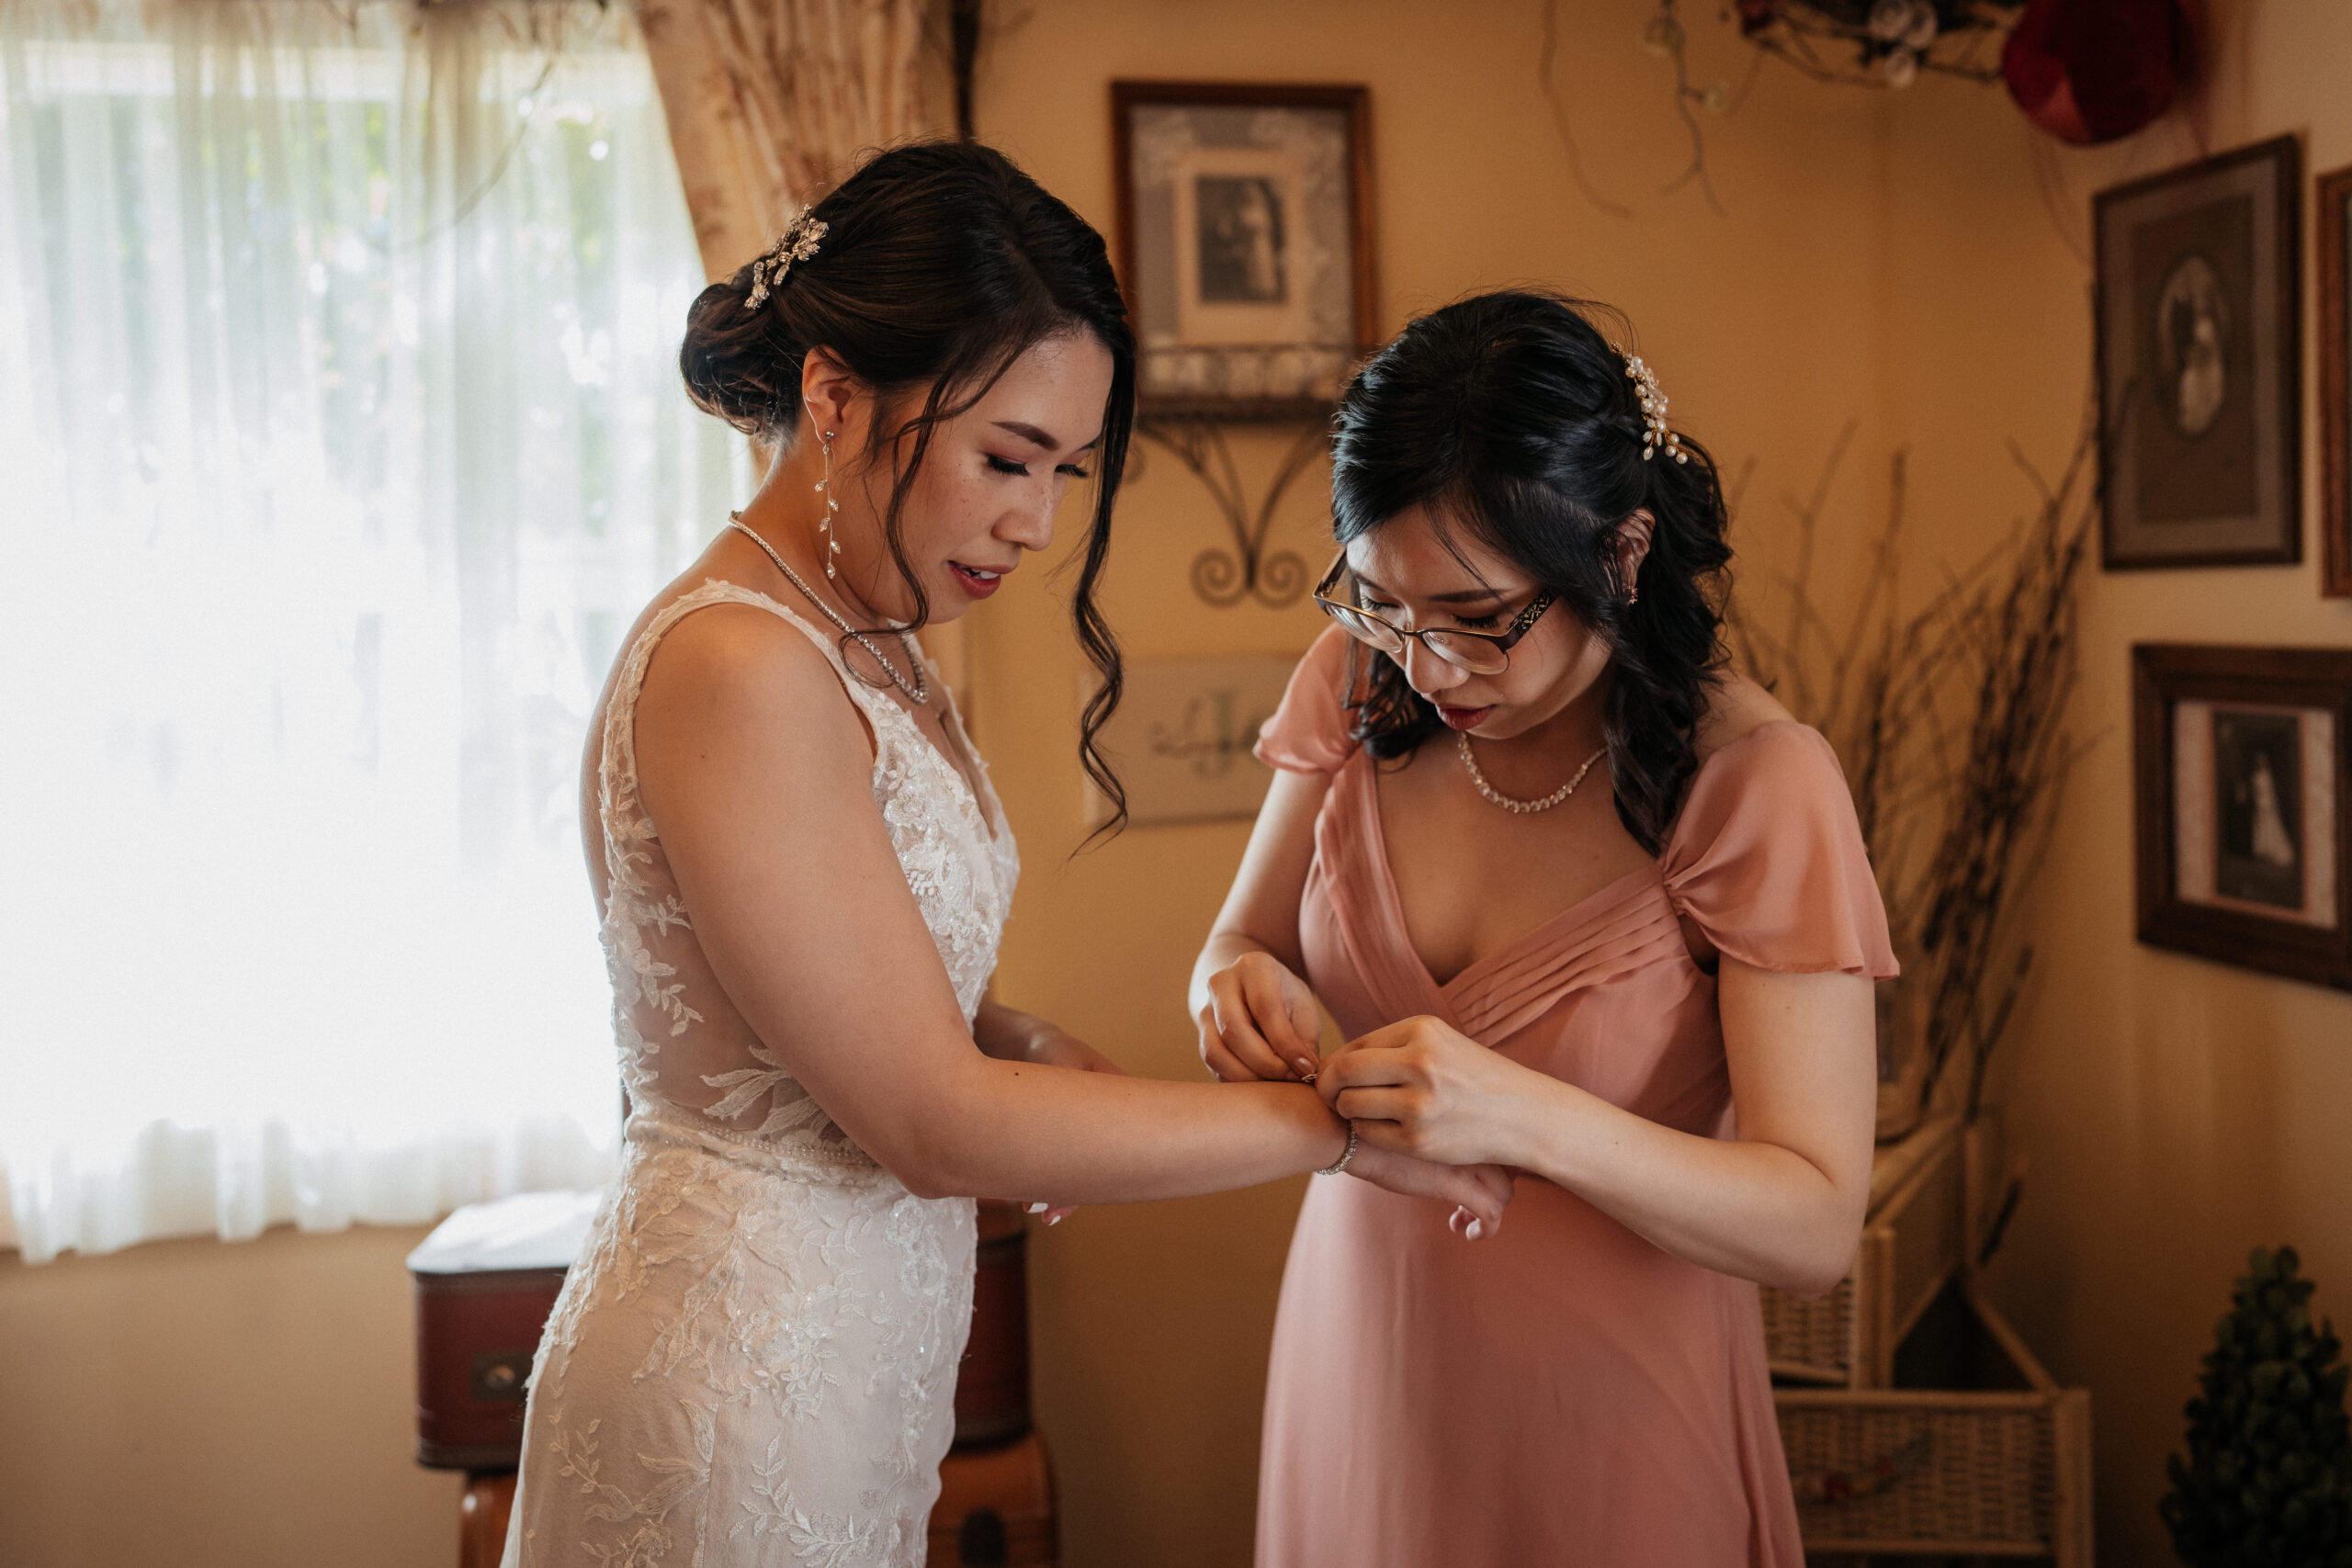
(1509, 416)
(941, 263)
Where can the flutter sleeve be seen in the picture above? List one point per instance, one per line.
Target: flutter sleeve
(1768, 859)
(1309, 733)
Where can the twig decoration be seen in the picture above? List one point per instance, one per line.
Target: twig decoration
(1950, 724)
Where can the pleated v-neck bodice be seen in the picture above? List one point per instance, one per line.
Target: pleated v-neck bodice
(1609, 932)
(1566, 1392)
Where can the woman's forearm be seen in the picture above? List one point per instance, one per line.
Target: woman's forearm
(1757, 1210)
(1015, 1128)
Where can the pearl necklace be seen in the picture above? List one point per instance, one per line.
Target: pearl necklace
(1523, 807)
(920, 692)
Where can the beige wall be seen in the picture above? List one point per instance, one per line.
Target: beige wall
(1885, 259)
(1765, 325)
(1918, 263)
(240, 1405)
(2178, 1111)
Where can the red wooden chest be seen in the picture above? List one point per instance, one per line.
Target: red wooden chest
(992, 1384)
(485, 1280)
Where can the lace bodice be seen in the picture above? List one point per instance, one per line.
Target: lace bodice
(684, 1047)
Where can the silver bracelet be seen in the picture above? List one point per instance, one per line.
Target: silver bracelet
(1345, 1155)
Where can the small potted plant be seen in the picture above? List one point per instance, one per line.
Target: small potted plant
(2267, 1479)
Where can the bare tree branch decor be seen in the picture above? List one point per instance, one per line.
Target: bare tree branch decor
(1950, 722)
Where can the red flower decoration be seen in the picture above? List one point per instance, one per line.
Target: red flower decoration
(2091, 71)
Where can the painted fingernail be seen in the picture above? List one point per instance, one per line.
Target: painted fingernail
(1058, 1219)
(1039, 1208)
(1477, 1228)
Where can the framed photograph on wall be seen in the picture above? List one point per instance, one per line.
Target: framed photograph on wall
(1245, 243)
(2335, 220)
(2198, 296)
(2244, 819)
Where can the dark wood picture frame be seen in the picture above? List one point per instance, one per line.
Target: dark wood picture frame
(1354, 103)
(2288, 688)
(2227, 445)
(2333, 215)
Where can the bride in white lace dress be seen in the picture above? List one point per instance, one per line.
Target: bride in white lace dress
(805, 874)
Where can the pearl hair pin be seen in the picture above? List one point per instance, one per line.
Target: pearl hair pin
(797, 243)
(1658, 436)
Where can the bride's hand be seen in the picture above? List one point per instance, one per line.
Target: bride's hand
(1056, 1048)
(1479, 1192)
(1259, 1022)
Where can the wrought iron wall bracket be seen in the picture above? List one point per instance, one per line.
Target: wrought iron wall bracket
(1225, 578)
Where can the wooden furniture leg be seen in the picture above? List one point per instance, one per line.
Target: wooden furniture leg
(482, 1518)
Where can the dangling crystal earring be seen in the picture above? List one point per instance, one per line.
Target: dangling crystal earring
(824, 488)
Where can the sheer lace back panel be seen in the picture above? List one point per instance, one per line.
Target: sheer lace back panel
(683, 1048)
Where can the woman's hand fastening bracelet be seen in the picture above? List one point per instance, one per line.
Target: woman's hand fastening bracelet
(1345, 1155)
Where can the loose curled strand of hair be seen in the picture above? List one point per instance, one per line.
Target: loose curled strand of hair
(1509, 418)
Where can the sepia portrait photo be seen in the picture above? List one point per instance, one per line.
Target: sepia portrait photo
(2257, 763)
(2238, 757)
(1243, 233)
(2198, 362)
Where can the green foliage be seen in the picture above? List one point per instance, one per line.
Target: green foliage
(2268, 1482)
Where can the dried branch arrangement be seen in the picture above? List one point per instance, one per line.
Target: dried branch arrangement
(1951, 721)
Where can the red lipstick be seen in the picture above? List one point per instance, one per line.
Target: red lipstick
(975, 581)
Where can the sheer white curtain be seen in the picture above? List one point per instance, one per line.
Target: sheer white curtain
(341, 436)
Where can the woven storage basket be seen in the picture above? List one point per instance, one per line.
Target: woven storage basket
(1897, 1471)
(1911, 1248)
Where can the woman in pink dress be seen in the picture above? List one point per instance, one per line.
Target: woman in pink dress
(1583, 904)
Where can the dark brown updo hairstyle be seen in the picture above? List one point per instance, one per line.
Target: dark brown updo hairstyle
(1511, 417)
(941, 263)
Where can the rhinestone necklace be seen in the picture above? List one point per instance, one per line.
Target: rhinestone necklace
(1523, 807)
(920, 692)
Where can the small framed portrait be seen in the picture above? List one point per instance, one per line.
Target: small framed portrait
(2335, 221)
(2244, 821)
(2200, 343)
(1245, 244)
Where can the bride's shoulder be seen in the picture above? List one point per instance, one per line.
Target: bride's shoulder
(1736, 708)
(732, 659)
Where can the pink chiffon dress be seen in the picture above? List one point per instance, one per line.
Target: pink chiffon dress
(1565, 1394)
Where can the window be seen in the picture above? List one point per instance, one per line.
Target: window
(341, 437)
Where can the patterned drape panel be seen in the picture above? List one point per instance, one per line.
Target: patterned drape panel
(771, 101)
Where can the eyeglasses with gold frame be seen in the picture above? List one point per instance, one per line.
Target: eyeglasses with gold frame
(1480, 653)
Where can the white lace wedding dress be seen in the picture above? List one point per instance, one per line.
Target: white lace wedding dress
(753, 1360)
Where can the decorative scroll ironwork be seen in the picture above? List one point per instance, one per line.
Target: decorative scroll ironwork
(1225, 578)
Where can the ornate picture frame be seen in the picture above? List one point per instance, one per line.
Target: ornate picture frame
(2241, 771)
(2199, 340)
(2334, 218)
(1244, 243)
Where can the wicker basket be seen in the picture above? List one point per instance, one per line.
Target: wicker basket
(1911, 1248)
(1894, 1472)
